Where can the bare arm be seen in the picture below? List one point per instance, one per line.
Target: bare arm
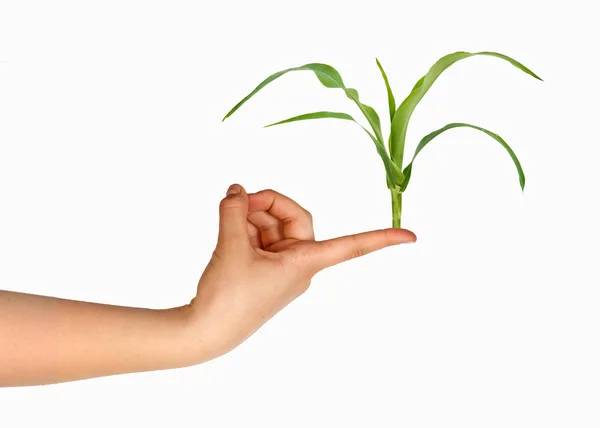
(47, 340)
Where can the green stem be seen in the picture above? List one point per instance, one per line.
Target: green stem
(396, 207)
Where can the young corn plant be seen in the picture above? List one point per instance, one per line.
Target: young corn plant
(397, 177)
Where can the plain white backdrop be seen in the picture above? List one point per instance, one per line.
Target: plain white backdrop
(113, 159)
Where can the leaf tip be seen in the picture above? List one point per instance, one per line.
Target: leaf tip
(532, 74)
(536, 76)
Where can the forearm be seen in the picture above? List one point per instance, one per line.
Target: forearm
(49, 340)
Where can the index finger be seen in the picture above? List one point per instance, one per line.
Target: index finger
(297, 222)
(333, 251)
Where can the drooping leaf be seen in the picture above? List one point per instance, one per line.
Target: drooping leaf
(330, 78)
(431, 136)
(393, 173)
(405, 110)
(316, 115)
(390, 94)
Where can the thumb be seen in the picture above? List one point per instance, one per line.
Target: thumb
(333, 251)
(233, 211)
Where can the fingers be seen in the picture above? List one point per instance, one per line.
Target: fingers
(271, 228)
(254, 235)
(297, 222)
(333, 251)
(233, 226)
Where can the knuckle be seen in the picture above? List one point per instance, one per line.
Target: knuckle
(268, 192)
(308, 214)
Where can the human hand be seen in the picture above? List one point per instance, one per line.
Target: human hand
(265, 257)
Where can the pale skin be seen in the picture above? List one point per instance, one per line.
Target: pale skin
(265, 257)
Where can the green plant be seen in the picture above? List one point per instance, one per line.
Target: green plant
(397, 178)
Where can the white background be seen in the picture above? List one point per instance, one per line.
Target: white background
(113, 159)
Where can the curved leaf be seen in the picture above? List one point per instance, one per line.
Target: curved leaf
(390, 94)
(330, 78)
(393, 173)
(316, 115)
(429, 137)
(405, 110)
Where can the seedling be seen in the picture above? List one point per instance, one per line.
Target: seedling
(397, 178)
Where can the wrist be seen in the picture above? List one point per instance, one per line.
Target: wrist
(194, 343)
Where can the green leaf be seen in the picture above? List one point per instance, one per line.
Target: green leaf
(429, 137)
(405, 110)
(393, 173)
(316, 115)
(390, 94)
(330, 78)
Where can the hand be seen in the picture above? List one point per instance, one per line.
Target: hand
(265, 257)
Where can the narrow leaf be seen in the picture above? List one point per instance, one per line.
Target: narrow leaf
(316, 115)
(405, 110)
(393, 173)
(330, 78)
(429, 137)
(390, 94)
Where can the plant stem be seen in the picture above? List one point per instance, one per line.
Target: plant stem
(396, 207)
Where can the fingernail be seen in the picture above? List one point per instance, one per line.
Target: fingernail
(234, 189)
